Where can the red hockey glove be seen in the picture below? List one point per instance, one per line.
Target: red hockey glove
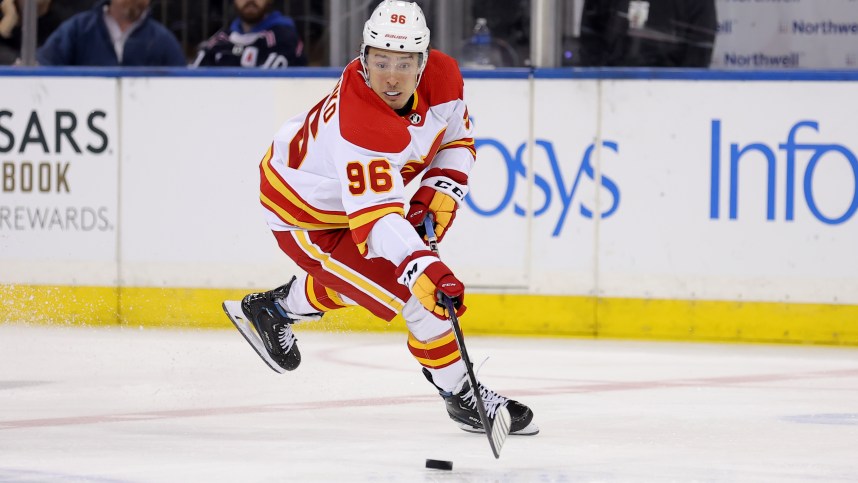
(428, 278)
(439, 194)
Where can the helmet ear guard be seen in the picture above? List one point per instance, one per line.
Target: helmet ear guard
(397, 26)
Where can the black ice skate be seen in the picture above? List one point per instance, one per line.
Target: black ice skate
(462, 408)
(271, 337)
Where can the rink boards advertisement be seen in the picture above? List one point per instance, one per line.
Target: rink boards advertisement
(667, 208)
(58, 181)
(786, 34)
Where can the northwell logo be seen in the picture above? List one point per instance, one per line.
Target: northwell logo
(825, 27)
(760, 59)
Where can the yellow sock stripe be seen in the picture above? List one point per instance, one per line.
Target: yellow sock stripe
(437, 363)
(432, 349)
(444, 339)
(368, 287)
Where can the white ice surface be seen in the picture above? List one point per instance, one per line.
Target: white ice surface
(130, 405)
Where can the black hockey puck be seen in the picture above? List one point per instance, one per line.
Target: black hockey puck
(439, 464)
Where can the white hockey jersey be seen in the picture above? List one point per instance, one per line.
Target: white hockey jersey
(345, 162)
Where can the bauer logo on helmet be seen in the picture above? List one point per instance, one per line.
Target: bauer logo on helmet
(400, 21)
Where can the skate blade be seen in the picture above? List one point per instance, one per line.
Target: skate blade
(528, 430)
(232, 308)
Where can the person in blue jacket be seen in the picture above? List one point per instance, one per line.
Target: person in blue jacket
(112, 33)
(259, 37)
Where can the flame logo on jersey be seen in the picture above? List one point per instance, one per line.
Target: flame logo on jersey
(414, 166)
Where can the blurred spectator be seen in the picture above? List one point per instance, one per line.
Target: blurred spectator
(656, 33)
(11, 13)
(112, 33)
(259, 37)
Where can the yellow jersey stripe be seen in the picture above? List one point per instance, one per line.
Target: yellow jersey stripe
(457, 143)
(372, 216)
(346, 273)
(286, 192)
(311, 295)
(285, 215)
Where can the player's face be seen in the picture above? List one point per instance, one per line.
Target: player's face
(252, 11)
(392, 75)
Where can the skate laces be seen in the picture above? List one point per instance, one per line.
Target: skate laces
(286, 338)
(492, 400)
(285, 335)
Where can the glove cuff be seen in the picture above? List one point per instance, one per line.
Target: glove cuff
(414, 264)
(442, 180)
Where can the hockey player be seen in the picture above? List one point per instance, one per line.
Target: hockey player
(332, 183)
(259, 37)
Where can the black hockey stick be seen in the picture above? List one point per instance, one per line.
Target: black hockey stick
(496, 430)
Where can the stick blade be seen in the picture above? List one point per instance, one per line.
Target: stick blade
(500, 430)
(232, 308)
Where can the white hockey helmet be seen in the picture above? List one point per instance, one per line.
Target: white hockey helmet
(398, 26)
